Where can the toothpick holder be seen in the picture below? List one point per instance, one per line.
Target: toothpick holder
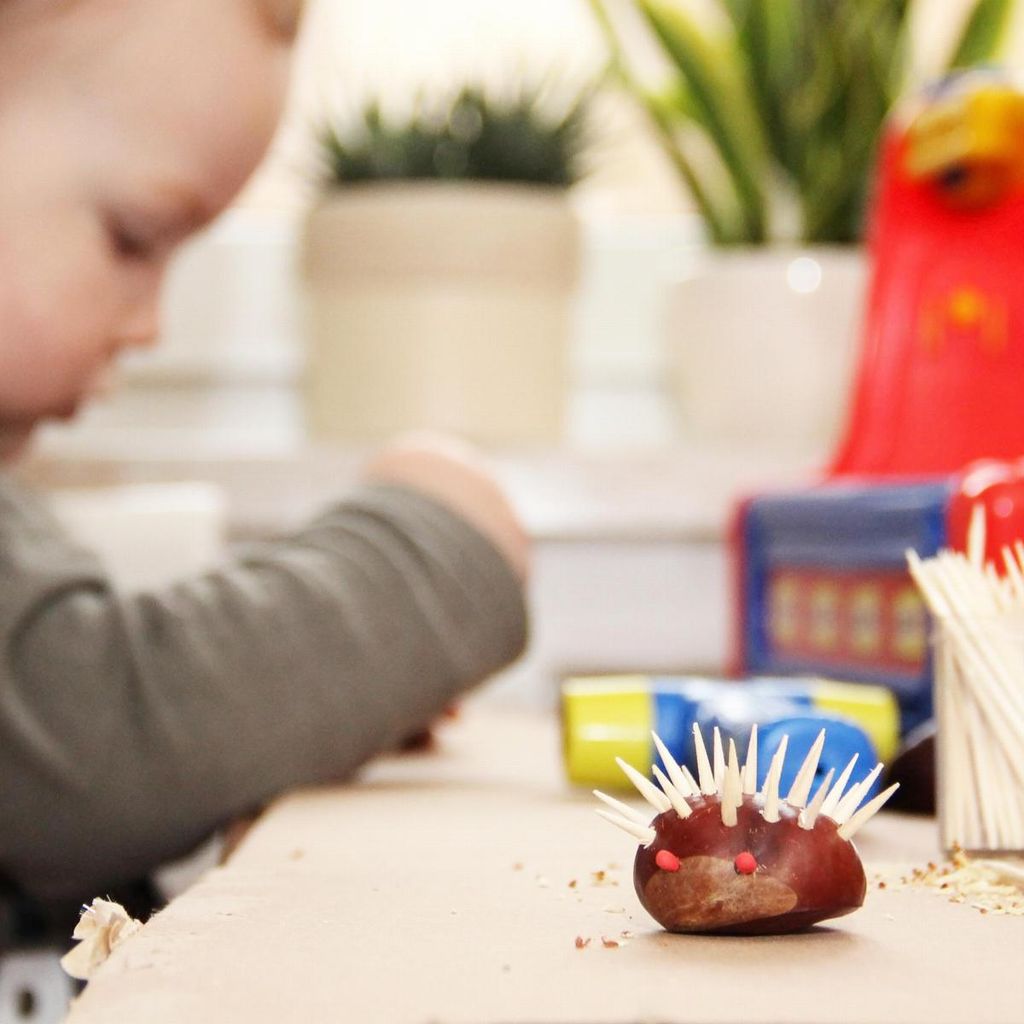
(979, 705)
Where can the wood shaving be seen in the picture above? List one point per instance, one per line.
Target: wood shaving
(103, 926)
(610, 943)
(582, 943)
(989, 886)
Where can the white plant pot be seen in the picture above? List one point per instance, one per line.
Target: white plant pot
(443, 306)
(761, 346)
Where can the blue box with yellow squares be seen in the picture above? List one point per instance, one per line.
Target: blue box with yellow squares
(822, 584)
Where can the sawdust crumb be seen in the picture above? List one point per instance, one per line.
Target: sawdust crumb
(987, 885)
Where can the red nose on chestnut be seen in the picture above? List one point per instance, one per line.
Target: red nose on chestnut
(721, 857)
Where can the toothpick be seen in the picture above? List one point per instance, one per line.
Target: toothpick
(849, 803)
(809, 814)
(681, 807)
(750, 767)
(1013, 575)
(950, 759)
(624, 809)
(718, 760)
(1018, 549)
(997, 590)
(976, 536)
(645, 835)
(987, 792)
(850, 829)
(837, 790)
(645, 787)
(731, 794)
(704, 773)
(770, 793)
(805, 776)
(679, 780)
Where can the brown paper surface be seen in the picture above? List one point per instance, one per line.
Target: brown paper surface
(439, 889)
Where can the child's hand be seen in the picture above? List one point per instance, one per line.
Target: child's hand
(452, 473)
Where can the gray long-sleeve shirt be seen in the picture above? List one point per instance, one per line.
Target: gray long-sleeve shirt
(131, 727)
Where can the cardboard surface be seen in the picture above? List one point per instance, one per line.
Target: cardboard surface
(439, 890)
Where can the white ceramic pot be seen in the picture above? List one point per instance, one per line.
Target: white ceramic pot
(761, 346)
(442, 306)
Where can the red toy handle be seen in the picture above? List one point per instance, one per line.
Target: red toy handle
(999, 488)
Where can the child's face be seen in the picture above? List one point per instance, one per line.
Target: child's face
(124, 126)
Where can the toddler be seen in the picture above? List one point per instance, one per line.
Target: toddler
(131, 728)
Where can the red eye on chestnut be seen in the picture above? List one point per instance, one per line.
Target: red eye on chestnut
(666, 860)
(708, 863)
(745, 863)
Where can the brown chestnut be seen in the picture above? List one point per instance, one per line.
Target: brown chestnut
(801, 876)
(721, 858)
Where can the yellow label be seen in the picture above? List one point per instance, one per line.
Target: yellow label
(603, 718)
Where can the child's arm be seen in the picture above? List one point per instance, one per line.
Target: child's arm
(131, 728)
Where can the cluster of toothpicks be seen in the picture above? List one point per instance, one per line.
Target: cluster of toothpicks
(731, 785)
(979, 690)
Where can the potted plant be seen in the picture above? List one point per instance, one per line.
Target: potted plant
(770, 110)
(440, 261)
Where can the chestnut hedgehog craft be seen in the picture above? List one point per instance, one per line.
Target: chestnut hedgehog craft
(721, 857)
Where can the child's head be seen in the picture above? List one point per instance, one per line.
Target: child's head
(124, 126)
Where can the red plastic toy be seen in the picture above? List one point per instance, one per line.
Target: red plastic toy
(941, 375)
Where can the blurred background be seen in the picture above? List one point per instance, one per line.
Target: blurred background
(233, 311)
(618, 244)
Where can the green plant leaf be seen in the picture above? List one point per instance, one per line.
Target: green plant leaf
(792, 100)
(720, 216)
(716, 85)
(468, 136)
(983, 33)
(765, 30)
(667, 109)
